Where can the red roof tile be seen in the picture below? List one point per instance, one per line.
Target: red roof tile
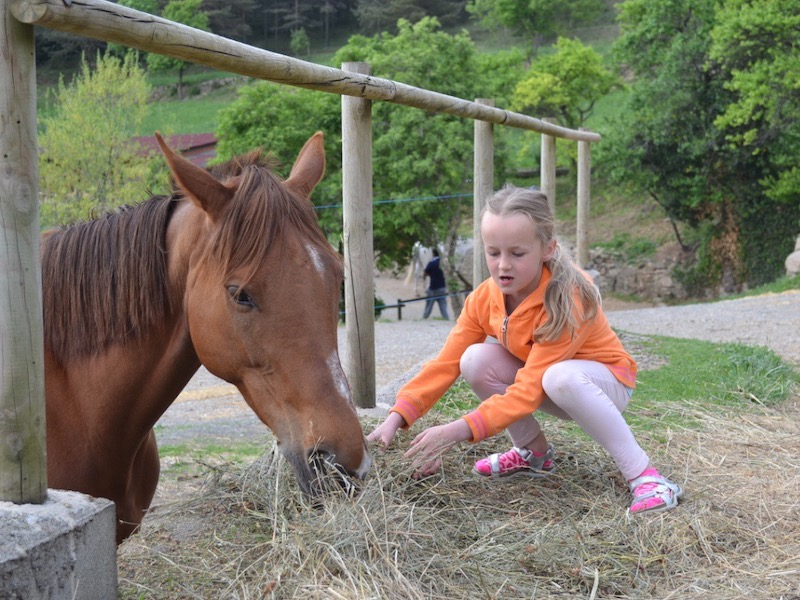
(197, 147)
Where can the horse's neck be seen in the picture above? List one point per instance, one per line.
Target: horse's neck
(158, 368)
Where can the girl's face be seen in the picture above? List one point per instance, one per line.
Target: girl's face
(514, 253)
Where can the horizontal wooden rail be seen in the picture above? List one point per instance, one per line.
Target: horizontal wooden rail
(111, 22)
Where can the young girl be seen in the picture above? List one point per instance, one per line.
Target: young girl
(553, 351)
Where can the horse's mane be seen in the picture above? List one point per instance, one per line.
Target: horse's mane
(105, 281)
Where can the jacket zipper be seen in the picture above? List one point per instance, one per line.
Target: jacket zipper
(504, 330)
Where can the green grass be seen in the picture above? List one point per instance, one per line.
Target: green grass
(196, 457)
(784, 284)
(193, 115)
(191, 76)
(730, 376)
(608, 106)
(631, 247)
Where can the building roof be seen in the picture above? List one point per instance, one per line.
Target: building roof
(196, 147)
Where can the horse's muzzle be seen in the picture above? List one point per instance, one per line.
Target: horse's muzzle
(329, 475)
(320, 473)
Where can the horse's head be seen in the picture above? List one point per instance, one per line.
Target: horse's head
(261, 298)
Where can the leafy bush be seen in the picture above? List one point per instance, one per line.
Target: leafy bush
(87, 162)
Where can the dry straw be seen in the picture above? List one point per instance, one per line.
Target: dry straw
(249, 533)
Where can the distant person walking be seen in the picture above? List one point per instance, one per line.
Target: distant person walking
(437, 290)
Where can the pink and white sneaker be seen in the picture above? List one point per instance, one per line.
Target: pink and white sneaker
(653, 492)
(517, 461)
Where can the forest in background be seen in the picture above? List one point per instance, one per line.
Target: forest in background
(690, 120)
(328, 24)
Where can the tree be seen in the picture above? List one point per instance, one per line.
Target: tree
(300, 43)
(419, 154)
(188, 13)
(232, 19)
(564, 85)
(87, 161)
(536, 20)
(62, 50)
(382, 15)
(280, 119)
(148, 6)
(682, 137)
(756, 42)
(416, 154)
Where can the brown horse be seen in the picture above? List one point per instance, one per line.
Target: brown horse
(233, 272)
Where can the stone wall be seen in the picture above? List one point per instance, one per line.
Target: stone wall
(648, 278)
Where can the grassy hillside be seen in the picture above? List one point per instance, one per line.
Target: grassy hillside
(195, 114)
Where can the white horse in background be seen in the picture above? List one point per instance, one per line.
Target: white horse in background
(420, 257)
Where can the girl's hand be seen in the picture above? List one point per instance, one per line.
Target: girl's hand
(428, 447)
(384, 433)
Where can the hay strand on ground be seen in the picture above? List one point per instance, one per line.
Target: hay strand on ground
(251, 534)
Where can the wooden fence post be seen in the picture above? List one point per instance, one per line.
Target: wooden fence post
(23, 459)
(359, 260)
(483, 186)
(547, 168)
(584, 176)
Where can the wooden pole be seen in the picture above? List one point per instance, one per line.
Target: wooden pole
(584, 176)
(483, 186)
(547, 169)
(359, 296)
(23, 460)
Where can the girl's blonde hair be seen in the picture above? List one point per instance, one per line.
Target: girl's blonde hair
(559, 298)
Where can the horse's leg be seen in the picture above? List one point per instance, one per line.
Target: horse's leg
(141, 489)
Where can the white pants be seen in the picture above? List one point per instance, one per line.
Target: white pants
(580, 390)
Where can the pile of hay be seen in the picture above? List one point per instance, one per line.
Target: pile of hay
(250, 533)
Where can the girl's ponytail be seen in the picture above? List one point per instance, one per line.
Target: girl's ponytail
(560, 295)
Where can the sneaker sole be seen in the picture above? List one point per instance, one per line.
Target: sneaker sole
(530, 473)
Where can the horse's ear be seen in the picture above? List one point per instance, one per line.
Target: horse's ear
(309, 166)
(198, 184)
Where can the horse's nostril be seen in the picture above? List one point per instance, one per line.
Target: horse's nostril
(317, 458)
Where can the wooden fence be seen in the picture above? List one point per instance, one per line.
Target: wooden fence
(22, 455)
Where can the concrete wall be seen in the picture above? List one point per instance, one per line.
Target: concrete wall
(62, 549)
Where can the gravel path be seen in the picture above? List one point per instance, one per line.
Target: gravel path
(771, 320)
(211, 410)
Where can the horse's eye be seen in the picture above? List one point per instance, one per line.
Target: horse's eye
(240, 296)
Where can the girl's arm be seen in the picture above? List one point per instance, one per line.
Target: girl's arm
(419, 395)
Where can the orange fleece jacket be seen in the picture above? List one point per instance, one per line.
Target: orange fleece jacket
(483, 315)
